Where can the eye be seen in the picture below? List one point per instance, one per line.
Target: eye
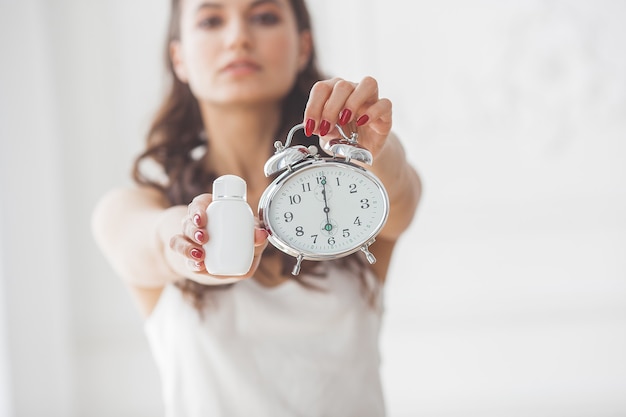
(266, 18)
(210, 22)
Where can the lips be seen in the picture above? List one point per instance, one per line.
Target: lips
(241, 65)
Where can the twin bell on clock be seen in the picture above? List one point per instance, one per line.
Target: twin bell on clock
(322, 208)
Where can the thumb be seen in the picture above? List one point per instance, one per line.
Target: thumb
(260, 240)
(260, 236)
(260, 243)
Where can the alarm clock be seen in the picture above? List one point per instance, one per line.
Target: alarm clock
(322, 208)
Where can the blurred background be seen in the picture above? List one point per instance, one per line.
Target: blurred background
(507, 296)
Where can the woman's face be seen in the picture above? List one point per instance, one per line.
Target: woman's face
(239, 51)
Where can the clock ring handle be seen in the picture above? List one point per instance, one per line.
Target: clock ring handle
(352, 139)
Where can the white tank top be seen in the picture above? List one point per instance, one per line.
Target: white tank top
(287, 351)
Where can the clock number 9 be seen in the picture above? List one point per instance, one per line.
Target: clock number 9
(288, 217)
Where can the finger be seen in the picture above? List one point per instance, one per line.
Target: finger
(260, 243)
(260, 237)
(364, 95)
(315, 105)
(197, 209)
(195, 266)
(194, 233)
(375, 114)
(183, 246)
(336, 105)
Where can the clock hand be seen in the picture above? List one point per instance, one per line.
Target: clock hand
(328, 226)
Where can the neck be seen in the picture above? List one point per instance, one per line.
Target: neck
(240, 140)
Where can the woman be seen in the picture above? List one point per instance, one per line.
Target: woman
(243, 73)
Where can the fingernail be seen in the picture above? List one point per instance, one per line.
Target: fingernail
(260, 232)
(309, 127)
(344, 116)
(362, 120)
(196, 219)
(193, 265)
(324, 127)
(196, 253)
(199, 236)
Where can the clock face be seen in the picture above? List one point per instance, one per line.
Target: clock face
(324, 209)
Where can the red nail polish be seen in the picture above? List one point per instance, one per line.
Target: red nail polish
(362, 120)
(344, 116)
(196, 253)
(309, 127)
(196, 220)
(262, 233)
(324, 127)
(199, 236)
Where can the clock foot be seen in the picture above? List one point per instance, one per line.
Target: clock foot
(296, 268)
(369, 255)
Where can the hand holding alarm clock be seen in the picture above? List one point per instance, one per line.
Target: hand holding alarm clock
(322, 208)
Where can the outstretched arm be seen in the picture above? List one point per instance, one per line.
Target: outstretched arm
(150, 245)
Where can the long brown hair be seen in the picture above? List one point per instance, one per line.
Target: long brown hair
(177, 130)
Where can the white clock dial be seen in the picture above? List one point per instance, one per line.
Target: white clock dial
(325, 210)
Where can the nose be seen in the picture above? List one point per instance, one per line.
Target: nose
(238, 34)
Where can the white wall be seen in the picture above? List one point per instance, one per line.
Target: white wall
(6, 391)
(35, 282)
(507, 295)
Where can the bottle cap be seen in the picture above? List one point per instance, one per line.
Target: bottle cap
(229, 186)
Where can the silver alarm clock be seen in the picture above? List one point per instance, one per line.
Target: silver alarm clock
(322, 208)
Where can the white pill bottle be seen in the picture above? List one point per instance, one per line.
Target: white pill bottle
(230, 248)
